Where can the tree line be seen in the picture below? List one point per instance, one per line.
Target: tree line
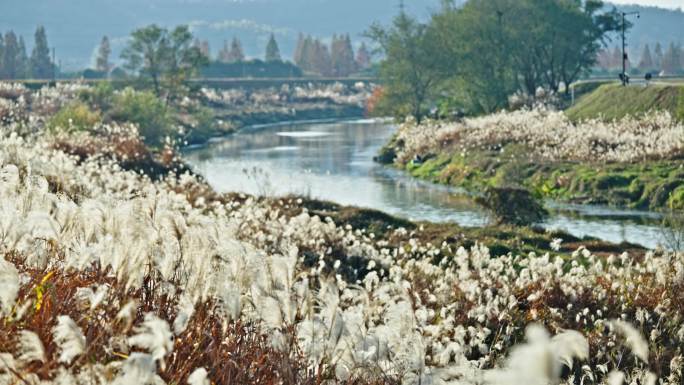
(16, 64)
(311, 54)
(475, 56)
(337, 59)
(669, 61)
(165, 59)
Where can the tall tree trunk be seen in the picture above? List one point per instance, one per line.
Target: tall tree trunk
(155, 82)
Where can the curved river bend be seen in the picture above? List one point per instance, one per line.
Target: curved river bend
(333, 161)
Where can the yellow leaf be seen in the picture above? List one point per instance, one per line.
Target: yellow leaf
(47, 277)
(40, 290)
(120, 355)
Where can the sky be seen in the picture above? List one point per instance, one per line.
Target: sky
(657, 3)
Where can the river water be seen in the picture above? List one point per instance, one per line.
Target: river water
(333, 161)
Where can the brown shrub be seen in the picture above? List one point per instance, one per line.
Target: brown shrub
(128, 151)
(233, 353)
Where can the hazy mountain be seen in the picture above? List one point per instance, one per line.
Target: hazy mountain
(75, 27)
(653, 25)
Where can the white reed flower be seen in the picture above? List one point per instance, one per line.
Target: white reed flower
(569, 345)
(539, 360)
(30, 347)
(139, 368)
(127, 313)
(616, 378)
(269, 310)
(7, 363)
(9, 286)
(69, 338)
(650, 378)
(155, 336)
(230, 300)
(633, 339)
(186, 308)
(199, 377)
(93, 298)
(64, 377)
(556, 244)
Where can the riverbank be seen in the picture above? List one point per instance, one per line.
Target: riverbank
(499, 239)
(613, 101)
(234, 109)
(234, 121)
(632, 162)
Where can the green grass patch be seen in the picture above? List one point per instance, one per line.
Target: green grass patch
(613, 101)
(500, 239)
(653, 185)
(73, 117)
(149, 113)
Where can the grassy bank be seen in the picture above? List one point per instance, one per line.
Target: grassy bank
(632, 162)
(197, 115)
(651, 185)
(612, 101)
(500, 240)
(233, 121)
(229, 110)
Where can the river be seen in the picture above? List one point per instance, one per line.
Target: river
(333, 161)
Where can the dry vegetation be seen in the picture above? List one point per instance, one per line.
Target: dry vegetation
(110, 277)
(243, 100)
(550, 136)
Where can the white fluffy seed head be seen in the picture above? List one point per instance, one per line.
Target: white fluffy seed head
(569, 345)
(139, 368)
(7, 363)
(127, 313)
(615, 378)
(64, 377)
(9, 286)
(633, 339)
(186, 308)
(92, 298)
(155, 336)
(539, 360)
(199, 377)
(30, 347)
(69, 338)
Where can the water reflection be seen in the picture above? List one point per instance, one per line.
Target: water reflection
(333, 161)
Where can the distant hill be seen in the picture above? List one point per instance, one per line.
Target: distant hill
(654, 25)
(76, 26)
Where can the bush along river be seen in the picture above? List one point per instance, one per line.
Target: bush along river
(333, 161)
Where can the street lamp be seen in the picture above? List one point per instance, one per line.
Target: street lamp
(623, 75)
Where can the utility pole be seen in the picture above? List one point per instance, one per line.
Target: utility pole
(502, 45)
(623, 75)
